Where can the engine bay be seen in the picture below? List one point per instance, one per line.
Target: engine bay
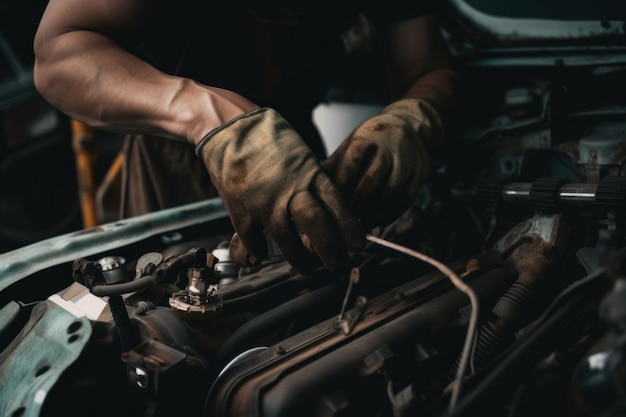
(525, 207)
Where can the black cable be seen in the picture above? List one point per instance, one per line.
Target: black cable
(102, 290)
(128, 339)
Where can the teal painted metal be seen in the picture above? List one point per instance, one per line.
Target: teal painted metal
(19, 263)
(50, 342)
(8, 314)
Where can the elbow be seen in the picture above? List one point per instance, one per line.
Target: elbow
(44, 82)
(40, 79)
(49, 71)
(41, 71)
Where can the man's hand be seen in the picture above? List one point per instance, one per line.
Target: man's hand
(269, 179)
(382, 164)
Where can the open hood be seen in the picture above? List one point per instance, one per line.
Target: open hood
(475, 25)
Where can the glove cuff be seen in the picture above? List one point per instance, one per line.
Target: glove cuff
(419, 114)
(203, 142)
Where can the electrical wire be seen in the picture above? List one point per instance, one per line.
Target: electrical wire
(461, 286)
(472, 359)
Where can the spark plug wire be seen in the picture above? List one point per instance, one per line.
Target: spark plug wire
(461, 286)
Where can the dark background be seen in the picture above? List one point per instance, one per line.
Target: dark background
(38, 192)
(38, 185)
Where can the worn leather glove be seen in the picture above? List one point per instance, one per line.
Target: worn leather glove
(269, 179)
(383, 162)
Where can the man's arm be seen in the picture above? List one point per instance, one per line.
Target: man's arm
(81, 68)
(266, 175)
(419, 65)
(382, 164)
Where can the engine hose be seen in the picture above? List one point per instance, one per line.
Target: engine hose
(510, 314)
(512, 311)
(484, 387)
(194, 256)
(102, 290)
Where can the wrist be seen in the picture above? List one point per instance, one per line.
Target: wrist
(235, 126)
(199, 109)
(422, 116)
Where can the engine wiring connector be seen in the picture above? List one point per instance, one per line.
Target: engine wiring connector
(198, 300)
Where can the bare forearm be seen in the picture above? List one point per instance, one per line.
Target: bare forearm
(441, 88)
(92, 79)
(420, 65)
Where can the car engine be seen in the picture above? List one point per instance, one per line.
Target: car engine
(501, 292)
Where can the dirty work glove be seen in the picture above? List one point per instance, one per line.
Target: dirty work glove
(383, 162)
(269, 179)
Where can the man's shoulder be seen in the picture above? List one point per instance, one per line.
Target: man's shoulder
(391, 11)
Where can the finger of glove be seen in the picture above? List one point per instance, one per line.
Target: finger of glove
(374, 181)
(408, 176)
(367, 197)
(240, 254)
(331, 164)
(313, 220)
(250, 242)
(286, 236)
(350, 163)
(343, 218)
